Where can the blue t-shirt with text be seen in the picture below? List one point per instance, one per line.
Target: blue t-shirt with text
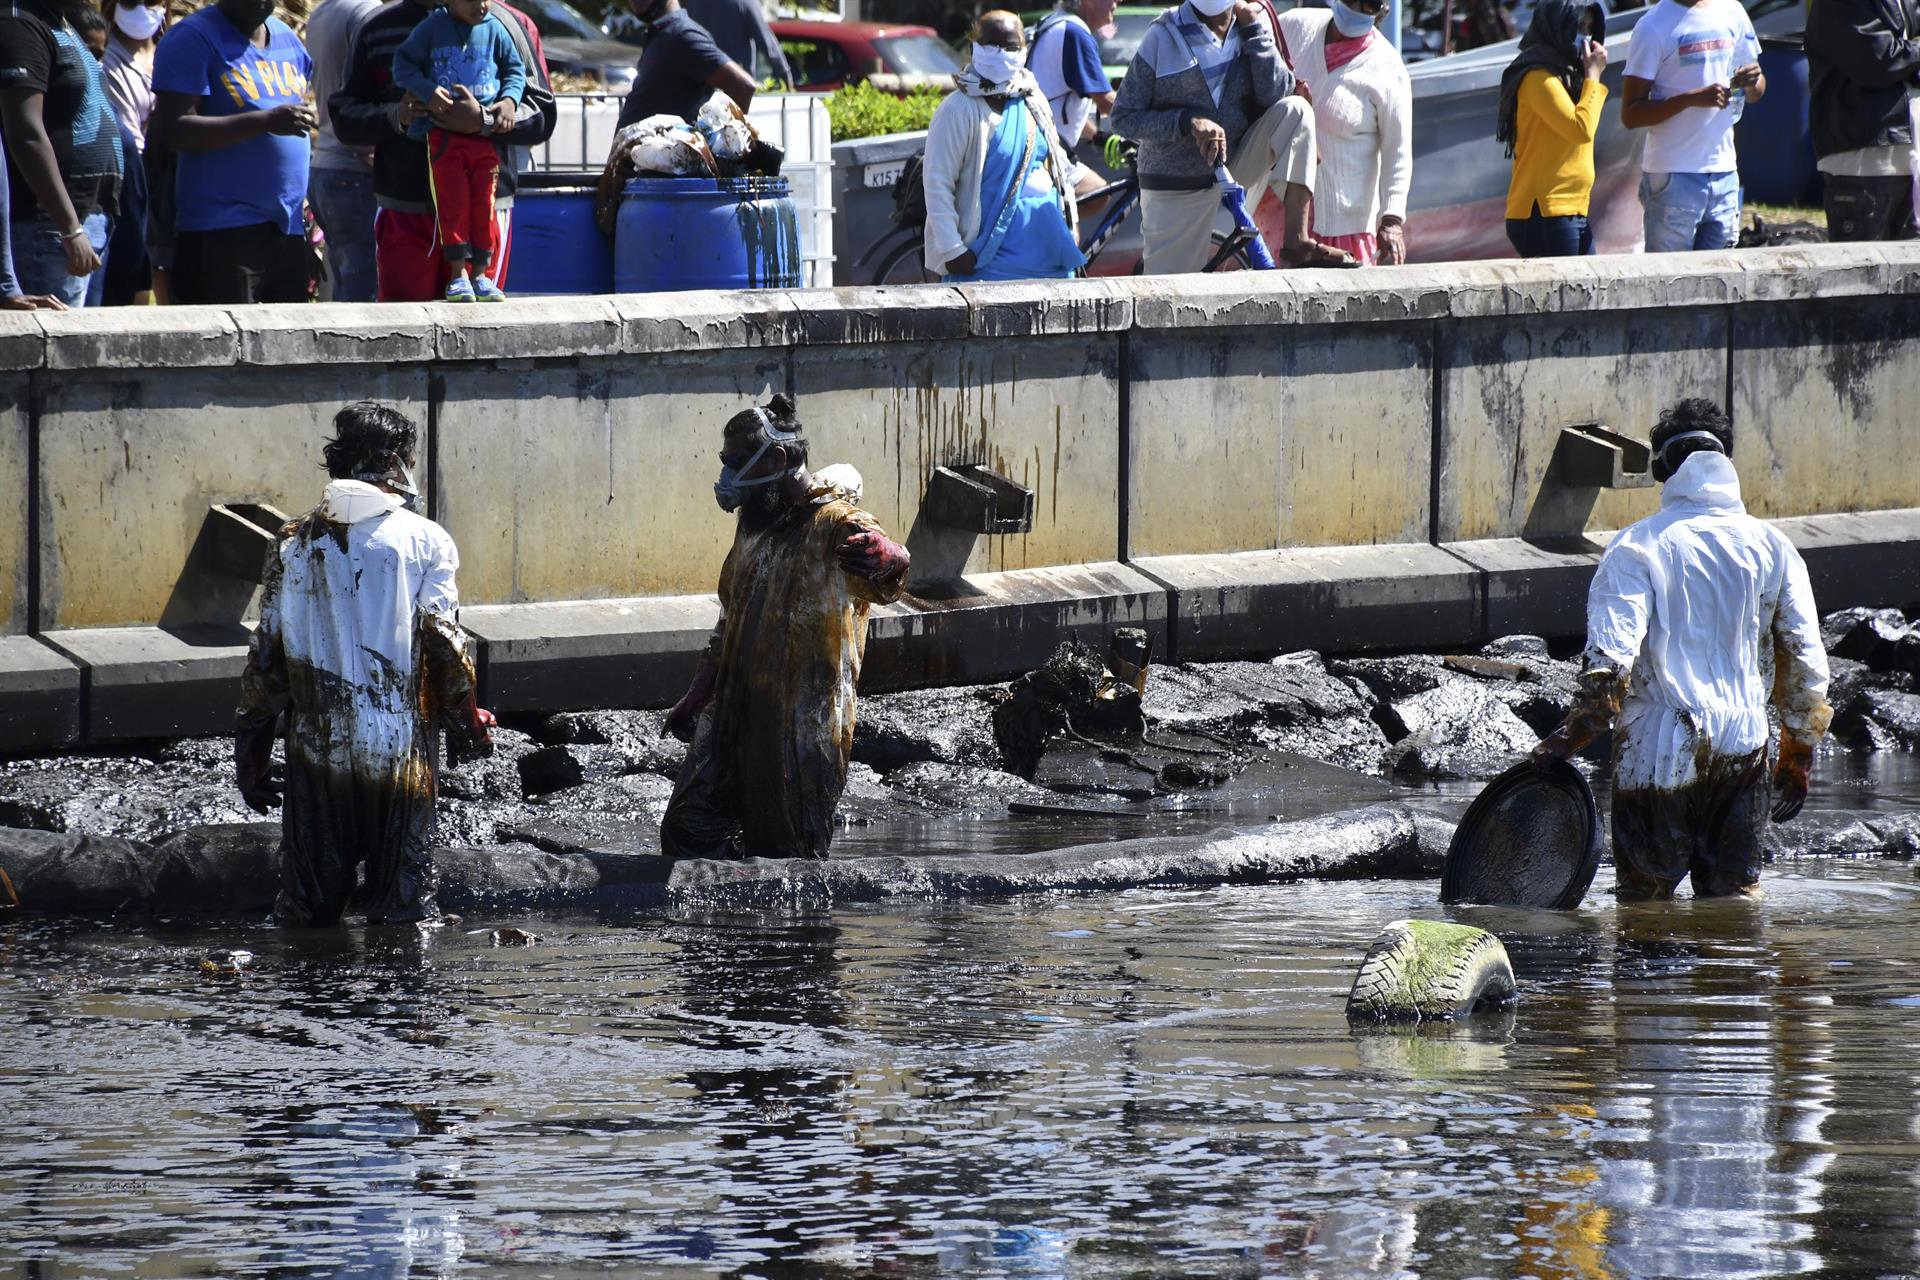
(263, 179)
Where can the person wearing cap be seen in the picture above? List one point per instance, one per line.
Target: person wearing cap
(1696, 616)
(770, 712)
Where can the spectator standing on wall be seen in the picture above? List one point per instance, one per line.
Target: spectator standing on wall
(232, 84)
(680, 66)
(1363, 120)
(125, 273)
(463, 47)
(370, 110)
(998, 184)
(11, 298)
(1691, 67)
(128, 66)
(63, 151)
(340, 185)
(1550, 103)
(1065, 62)
(1208, 87)
(1863, 61)
(740, 27)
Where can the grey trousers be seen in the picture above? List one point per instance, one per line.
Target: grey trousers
(1178, 226)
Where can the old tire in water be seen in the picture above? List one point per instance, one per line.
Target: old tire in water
(1426, 970)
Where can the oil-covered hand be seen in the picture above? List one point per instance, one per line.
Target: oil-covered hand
(1792, 773)
(262, 783)
(470, 733)
(685, 715)
(874, 556)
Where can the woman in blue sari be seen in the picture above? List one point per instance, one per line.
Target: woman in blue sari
(999, 189)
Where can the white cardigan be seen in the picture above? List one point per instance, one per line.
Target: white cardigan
(1363, 119)
(956, 156)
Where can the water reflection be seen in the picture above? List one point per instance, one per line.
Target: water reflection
(1136, 1084)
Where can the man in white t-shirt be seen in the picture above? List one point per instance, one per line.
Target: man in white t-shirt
(1690, 64)
(1064, 56)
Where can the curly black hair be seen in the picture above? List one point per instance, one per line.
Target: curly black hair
(366, 435)
(1696, 414)
(785, 418)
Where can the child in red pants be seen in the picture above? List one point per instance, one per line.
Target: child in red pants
(464, 46)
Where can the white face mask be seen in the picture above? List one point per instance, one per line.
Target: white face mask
(996, 65)
(1211, 8)
(142, 23)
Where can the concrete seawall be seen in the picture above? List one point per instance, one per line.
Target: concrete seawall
(1240, 463)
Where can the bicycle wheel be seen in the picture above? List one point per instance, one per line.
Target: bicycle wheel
(1235, 261)
(905, 265)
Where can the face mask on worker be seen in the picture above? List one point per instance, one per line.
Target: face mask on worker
(1348, 21)
(141, 23)
(730, 490)
(994, 64)
(1211, 8)
(399, 478)
(1671, 455)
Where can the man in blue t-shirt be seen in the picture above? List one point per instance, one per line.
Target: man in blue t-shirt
(680, 66)
(230, 84)
(1064, 57)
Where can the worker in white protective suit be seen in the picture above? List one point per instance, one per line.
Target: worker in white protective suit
(1696, 617)
(360, 645)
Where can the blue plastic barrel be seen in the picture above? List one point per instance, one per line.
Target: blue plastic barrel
(706, 233)
(1773, 137)
(556, 246)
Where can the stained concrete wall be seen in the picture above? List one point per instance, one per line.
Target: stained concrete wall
(1191, 428)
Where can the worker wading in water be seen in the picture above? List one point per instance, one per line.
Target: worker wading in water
(1697, 615)
(771, 709)
(360, 645)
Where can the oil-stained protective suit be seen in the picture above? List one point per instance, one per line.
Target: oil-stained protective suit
(1695, 616)
(359, 643)
(768, 761)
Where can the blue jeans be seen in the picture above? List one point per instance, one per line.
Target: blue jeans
(40, 261)
(1559, 236)
(343, 201)
(1690, 210)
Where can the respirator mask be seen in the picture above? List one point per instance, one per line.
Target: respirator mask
(730, 491)
(398, 478)
(1667, 461)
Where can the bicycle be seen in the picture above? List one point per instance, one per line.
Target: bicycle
(1239, 249)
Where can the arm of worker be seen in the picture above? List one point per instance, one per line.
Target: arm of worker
(1080, 68)
(447, 657)
(1272, 80)
(951, 139)
(512, 73)
(1618, 609)
(1749, 78)
(685, 716)
(264, 694)
(876, 565)
(1852, 37)
(1396, 170)
(1136, 113)
(1799, 687)
(25, 128)
(1546, 98)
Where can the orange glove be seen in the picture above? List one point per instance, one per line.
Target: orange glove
(1791, 774)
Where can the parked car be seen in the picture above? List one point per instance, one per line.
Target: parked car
(825, 55)
(576, 47)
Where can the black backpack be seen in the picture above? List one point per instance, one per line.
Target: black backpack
(910, 194)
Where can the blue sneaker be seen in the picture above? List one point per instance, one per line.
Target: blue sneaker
(485, 290)
(459, 289)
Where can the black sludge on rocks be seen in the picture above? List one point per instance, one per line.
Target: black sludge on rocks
(1377, 841)
(951, 726)
(1880, 720)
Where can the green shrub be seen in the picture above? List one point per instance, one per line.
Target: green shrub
(862, 111)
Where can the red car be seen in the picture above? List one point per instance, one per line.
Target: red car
(826, 55)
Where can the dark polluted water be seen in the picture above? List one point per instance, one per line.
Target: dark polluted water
(1147, 1083)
